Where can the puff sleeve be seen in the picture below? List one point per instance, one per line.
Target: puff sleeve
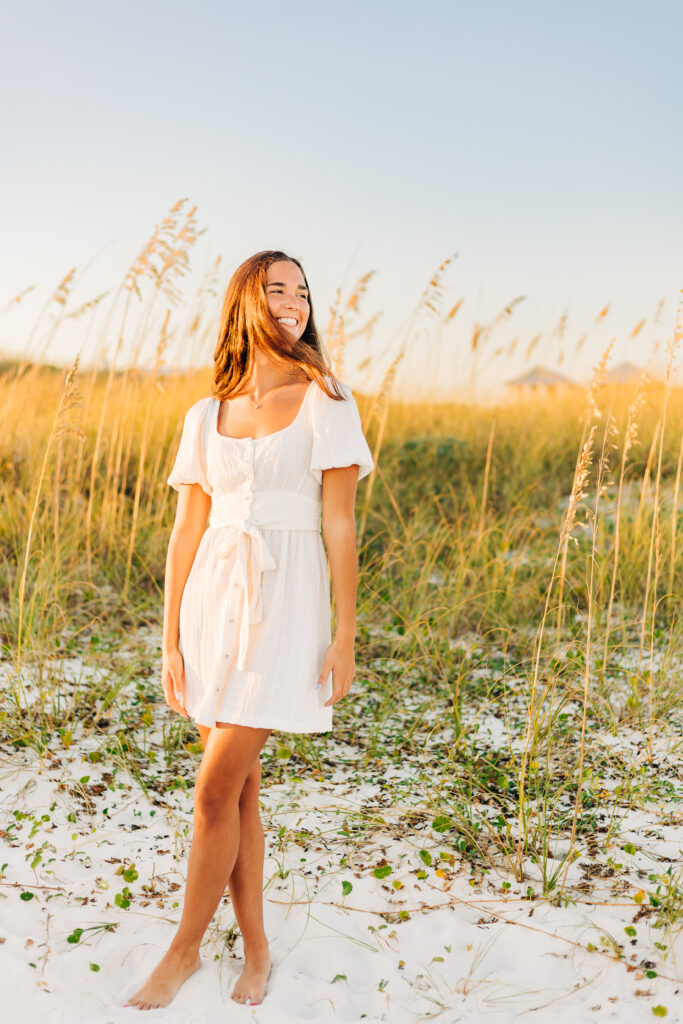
(338, 438)
(190, 466)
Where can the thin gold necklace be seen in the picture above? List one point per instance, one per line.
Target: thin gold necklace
(258, 405)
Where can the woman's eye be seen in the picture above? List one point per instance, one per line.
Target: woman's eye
(301, 295)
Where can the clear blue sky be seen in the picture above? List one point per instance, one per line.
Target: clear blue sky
(540, 141)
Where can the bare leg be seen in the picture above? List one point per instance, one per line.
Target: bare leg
(229, 755)
(246, 891)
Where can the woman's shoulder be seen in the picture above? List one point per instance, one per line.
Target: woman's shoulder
(338, 438)
(199, 408)
(324, 397)
(334, 414)
(195, 420)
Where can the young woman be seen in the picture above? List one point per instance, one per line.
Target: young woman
(274, 455)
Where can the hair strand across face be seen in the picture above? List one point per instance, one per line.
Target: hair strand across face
(246, 320)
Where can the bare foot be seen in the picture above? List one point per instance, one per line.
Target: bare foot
(165, 980)
(250, 987)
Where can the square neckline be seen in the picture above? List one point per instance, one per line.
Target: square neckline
(263, 437)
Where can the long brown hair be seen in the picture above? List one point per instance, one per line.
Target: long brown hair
(246, 321)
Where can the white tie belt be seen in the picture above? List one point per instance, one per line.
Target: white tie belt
(248, 513)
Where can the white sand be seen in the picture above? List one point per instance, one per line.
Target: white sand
(469, 946)
(474, 952)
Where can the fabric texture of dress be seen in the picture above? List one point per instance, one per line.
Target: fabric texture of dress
(255, 618)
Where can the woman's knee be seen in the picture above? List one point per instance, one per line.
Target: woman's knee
(221, 786)
(215, 797)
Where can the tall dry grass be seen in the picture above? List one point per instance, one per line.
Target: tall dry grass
(542, 533)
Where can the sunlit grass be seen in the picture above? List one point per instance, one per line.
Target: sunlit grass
(519, 644)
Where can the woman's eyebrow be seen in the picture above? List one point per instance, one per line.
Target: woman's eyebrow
(281, 284)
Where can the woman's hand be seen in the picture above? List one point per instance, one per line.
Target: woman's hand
(341, 662)
(173, 680)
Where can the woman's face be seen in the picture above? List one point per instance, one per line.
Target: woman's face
(287, 296)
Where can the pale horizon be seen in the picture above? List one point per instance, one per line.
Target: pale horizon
(539, 145)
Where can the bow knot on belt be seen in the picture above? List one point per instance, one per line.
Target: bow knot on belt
(244, 516)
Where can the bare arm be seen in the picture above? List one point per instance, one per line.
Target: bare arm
(189, 526)
(339, 537)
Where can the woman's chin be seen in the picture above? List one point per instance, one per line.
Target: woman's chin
(291, 335)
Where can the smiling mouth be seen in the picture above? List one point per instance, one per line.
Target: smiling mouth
(288, 321)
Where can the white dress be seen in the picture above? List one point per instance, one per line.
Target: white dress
(255, 610)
